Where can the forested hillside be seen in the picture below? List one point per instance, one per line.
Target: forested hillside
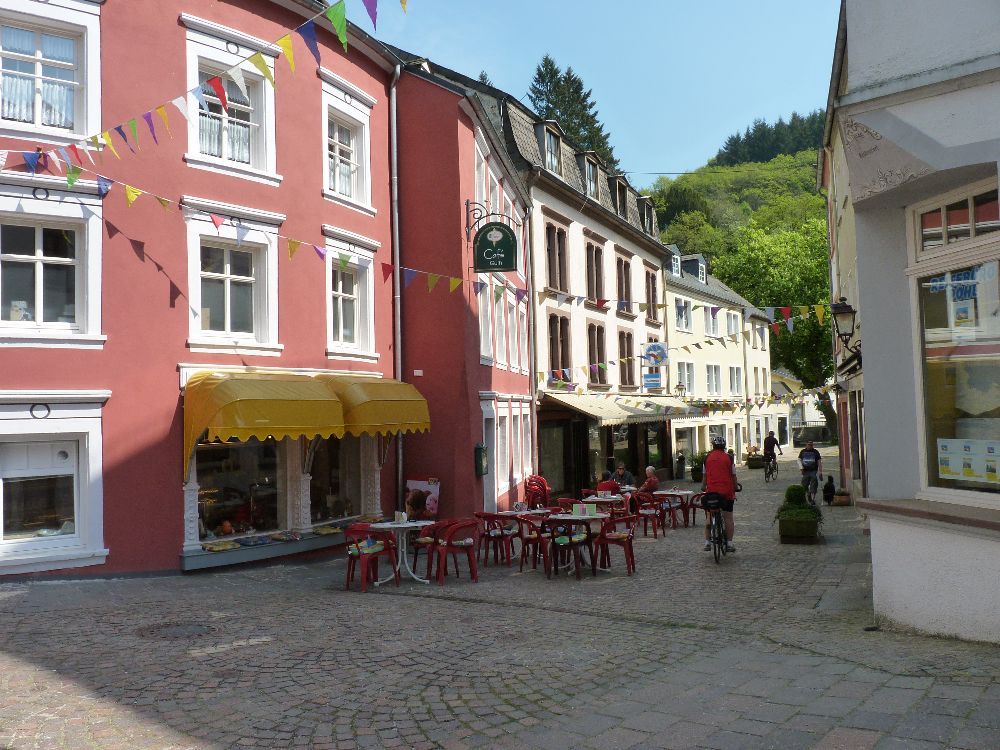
(762, 142)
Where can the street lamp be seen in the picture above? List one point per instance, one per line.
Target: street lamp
(679, 390)
(844, 318)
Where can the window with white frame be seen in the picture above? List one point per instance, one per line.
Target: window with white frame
(508, 213)
(652, 296)
(228, 289)
(736, 381)
(595, 271)
(553, 152)
(494, 184)
(500, 322)
(485, 305)
(754, 335)
(349, 309)
(42, 76)
(592, 182)
(515, 443)
(480, 177)
(763, 381)
(626, 359)
(39, 488)
(675, 265)
(711, 321)
(685, 377)
(732, 323)
(515, 353)
(526, 441)
(621, 202)
(41, 268)
(503, 444)
(231, 132)
(713, 379)
(756, 381)
(522, 329)
(701, 273)
(963, 218)
(343, 158)
(683, 314)
(623, 267)
(763, 338)
(596, 354)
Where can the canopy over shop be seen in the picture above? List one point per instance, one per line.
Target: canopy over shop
(285, 457)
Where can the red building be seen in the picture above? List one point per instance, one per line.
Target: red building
(136, 337)
(467, 350)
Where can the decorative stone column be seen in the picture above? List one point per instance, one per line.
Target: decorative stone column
(297, 483)
(191, 541)
(371, 475)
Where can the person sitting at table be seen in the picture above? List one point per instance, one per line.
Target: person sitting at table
(623, 476)
(652, 482)
(607, 484)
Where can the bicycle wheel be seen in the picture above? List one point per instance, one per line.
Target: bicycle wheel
(717, 534)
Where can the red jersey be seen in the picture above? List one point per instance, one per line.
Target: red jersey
(719, 474)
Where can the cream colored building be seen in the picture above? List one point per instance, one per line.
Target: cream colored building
(720, 359)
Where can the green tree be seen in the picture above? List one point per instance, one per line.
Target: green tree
(544, 90)
(484, 77)
(693, 233)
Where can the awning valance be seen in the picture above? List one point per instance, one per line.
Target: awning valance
(614, 409)
(244, 405)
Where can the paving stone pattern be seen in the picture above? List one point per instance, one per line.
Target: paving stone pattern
(766, 650)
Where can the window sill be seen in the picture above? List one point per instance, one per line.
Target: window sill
(35, 561)
(626, 315)
(232, 169)
(551, 291)
(351, 354)
(599, 386)
(51, 340)
(350, 203)
(629, 388)
(653, 322)
(500, 365)
(40, 134)
(592, 305)
(234, 346)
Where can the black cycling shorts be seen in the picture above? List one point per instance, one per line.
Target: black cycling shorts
(716, 500)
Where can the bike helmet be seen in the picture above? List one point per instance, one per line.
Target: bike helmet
(718, 441)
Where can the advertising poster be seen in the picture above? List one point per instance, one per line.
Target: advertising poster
(969, 460)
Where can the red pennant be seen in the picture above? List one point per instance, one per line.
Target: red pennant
(775, 327)
(601, 303)
(220, 90)
(386, 271)
(76, 153)
(217, 220)
(786, 311)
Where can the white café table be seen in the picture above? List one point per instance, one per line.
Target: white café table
(570, 517)
(684, 495)
(402, 559)
(533, 512)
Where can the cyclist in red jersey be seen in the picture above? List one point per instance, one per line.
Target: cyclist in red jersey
(719, 477)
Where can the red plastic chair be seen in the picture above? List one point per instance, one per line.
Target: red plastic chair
(610, 534)
(649, 512)
(533, 542)
(459, 537)
(536, 491)
(499, 534)
(427, 540)
(384, 545)
(693, 504)
(567, 538)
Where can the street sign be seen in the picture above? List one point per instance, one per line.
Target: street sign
(494, 248)
(651, 380)
(656, 354)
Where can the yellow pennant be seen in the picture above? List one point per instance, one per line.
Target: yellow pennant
(162, 112)
(165, 202)
(820, 312)
(454, 284)
(131, 194)
(403, 3)
(293, 245)
(803, 311)
(257, 60)
(286, 46)
(432, 280)
(109, 144)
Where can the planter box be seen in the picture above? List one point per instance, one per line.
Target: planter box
(755, 462)
(841, 500)
(795, 531)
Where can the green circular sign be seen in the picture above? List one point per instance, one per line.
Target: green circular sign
(494, 248)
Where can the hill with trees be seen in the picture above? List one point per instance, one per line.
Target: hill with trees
(762, 142)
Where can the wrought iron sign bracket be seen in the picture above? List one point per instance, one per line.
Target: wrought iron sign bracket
(477, 213)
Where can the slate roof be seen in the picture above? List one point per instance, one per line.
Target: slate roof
(711, 288)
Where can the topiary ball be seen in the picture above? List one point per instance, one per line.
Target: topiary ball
(795, 495)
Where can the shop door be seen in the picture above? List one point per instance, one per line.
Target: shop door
(783, 430)
(553, 455)
(580, 450)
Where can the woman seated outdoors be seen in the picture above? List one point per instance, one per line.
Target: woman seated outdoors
(652, 483)
(607, 484)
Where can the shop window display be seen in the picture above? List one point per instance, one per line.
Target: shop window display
(238, 488)
(335, 491)
(38, 489)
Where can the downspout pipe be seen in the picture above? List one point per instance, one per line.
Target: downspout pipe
(397, 316)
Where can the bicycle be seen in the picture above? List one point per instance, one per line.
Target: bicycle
(712, 504)
(771, 469)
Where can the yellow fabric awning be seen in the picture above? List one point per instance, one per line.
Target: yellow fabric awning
(244, 405)
(380, 406)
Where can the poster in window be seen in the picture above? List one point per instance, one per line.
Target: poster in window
(965, 314)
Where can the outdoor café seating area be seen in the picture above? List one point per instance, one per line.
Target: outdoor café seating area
(550, 537)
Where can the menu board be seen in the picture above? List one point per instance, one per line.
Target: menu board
(968, 460)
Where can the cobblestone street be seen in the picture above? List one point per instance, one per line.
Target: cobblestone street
(766, 650)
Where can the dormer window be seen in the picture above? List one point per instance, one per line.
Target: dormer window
(592, 179)
(675, 265)
(622, 202)
(701, 272)
(646, 209)
(553, 153)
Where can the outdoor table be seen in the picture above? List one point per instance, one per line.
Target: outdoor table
(684, 495)
(401, 528)
(533, 512)
(586, 518)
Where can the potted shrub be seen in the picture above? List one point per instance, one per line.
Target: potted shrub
(754, 459)
(798, 520)
(698, 465)
(842, 497)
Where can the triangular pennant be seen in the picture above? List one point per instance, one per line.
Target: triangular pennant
(31, 160)
(294, 245)
(580, 300)
(774, 327)
(541, 296)
(286, 46)
(432, 280)
(54, 159)
(148, 117)
(642, 307)
(338, 19)
(120, 129)
(134, 129)
(769, 312)
(403, 3)
(72, 175)
(198, 94)
(790, 322)
(65, 154)
(601, 303)
(803, 311)
(408, 276)
(104, 185)
(308, 33)
(520, 294)
(131, 194)
(478, 286)
(344, 261)
(715, 311)
(566, 372)
(236, 74)
(497, 293)
(820, 311)
(220, 91)
(217, 220)
(454, 284)
(320, 251)
(241, 234)
(603, 365)
(697, 346)
(162, 112)
(106, 137)
(258, 61)
(386, 271)
(372, 7)
(182, 106)
(786, 312)
(165, 202)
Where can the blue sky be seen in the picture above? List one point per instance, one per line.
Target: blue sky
(671, 79)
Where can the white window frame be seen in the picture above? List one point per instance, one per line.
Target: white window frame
(686, 303)
(503, 447)
(500, 325)
(210, 51)
(495, 203)
(484, 303)
(763, 337)
(685, 375)
(77, 18)
(513, 334)
(522, 330)
(361, 262)
(713, 380)
(353, 107)
(83, 212)
(701, 273)
(526, 465)
(263, 240)
(592, 177)
(756, 381)
(70, 416)
(711, 321)
(732, 322)
(675, 265)
(764, 389)
(480, 177)
(736, 381)
(515, 443)
(553, 137)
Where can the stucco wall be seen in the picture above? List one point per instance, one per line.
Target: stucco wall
(890, 39)
(936, 579)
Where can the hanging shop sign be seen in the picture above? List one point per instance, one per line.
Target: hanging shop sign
(494, 248)
(656, 354)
